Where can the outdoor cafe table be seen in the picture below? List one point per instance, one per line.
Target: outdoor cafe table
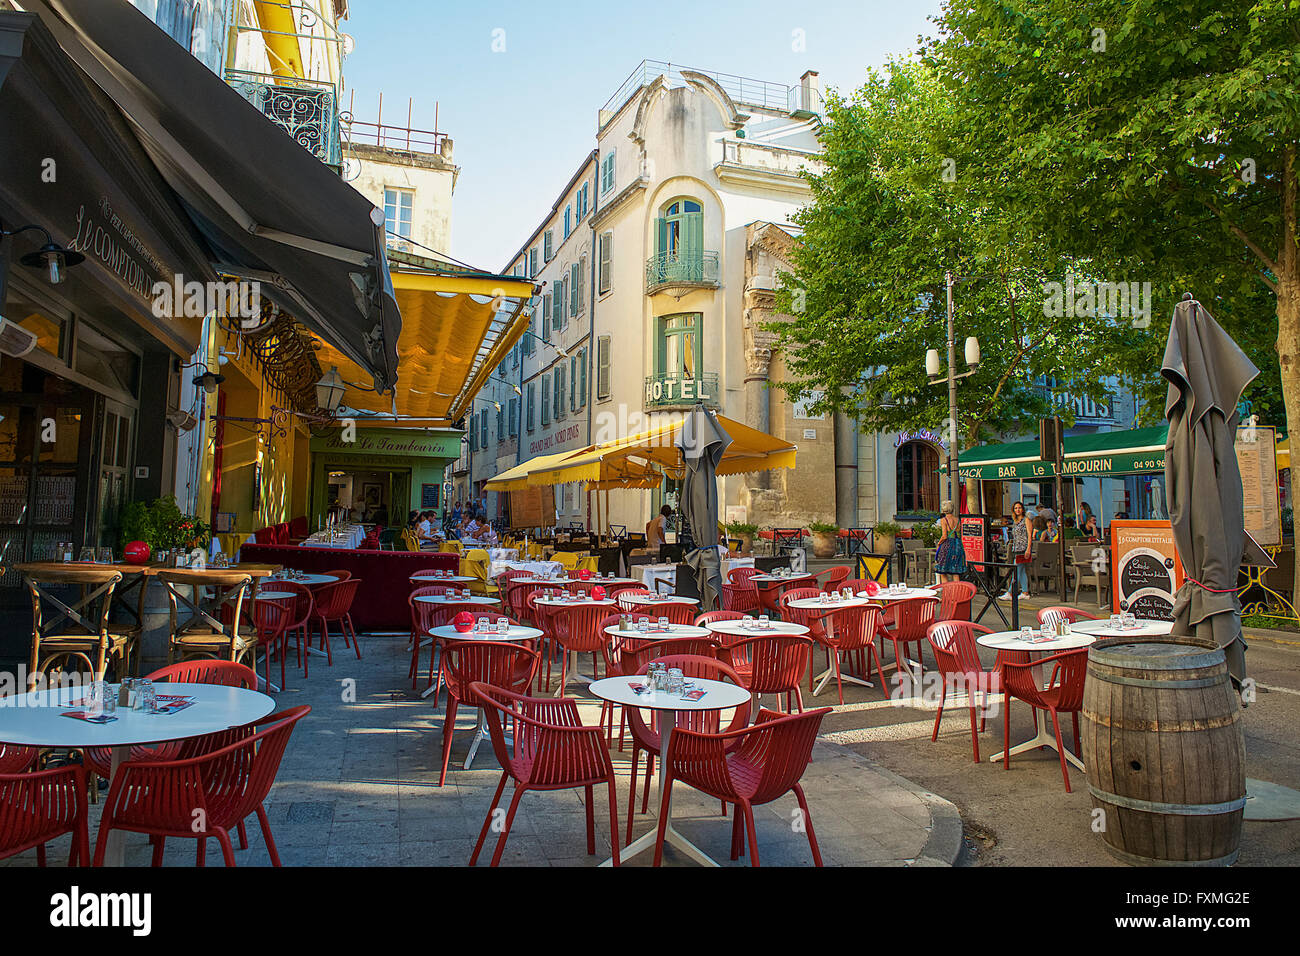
(784, 628)
(448, 632)
(310, 580)
(349, 538)
(675, 632)
(35, 720)
(658, 599)
(809, 604)
(1102, 628)
(566, 602)
(424, 578)
(906, 594)
(1011, 641)
(770, 587)
(456, 599)
(717, 696)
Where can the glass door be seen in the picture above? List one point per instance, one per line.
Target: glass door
(114, 470)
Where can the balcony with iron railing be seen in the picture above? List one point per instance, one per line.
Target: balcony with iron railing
(682, 391)
(305, 109)
(783, 97)
(680, 272)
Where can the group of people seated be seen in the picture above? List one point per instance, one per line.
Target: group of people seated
(470, 526)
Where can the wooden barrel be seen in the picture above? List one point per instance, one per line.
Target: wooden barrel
(1165, 752)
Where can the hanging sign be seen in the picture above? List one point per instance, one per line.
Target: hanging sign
(1145, 570)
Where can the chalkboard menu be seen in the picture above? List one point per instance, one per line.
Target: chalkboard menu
(1145, 568)
(430, 492)
(974, 539)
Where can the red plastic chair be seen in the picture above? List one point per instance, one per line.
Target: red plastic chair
(630, 607)
(299, 619)
(271, 620)
(1053, 614)
(748, 766)
(503, 581)
(911, 624)
(340, 575)
(227, 785)
(334, 605)
(803, 616)
(646, 737)
(954, 600)
(1064, 694)
(36, 807)
(773, 664)
(725, 640)
(441, 615)
(423, 616)
(578, 630)
(15, 759)
(851, 630)
(677, 612)
(738, 592)
(835, 578)
(957, 659)
(501, 665)
(551, 749)
(627, 656)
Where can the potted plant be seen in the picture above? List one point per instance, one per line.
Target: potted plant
(928, 533)
(882, 538)
(745, 532)
(825, 538)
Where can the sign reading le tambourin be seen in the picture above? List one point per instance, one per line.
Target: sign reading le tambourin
(1146, 571)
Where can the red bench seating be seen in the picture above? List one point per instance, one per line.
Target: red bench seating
(381, 603)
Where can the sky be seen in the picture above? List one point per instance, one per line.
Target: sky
(518, 84)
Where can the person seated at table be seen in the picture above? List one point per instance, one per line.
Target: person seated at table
(424, 530)
(470, 529)
(1070, 531)
(1049, 534)
(1037, 525)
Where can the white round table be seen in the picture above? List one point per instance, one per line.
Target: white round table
(311, 580)
(718, 695)
(884, 595)
(561, 602)
(517, 632)
(675, 632)
(817, 604)
(660, 599)
(274, 595)
(1012, 641)
(428, 578)
(35, 720)
(814, 604)
(457, 599)
(1102, 628)
(790, 578)
(785, 628)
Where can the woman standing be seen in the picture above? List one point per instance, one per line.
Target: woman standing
(949, 555)
(1020, 549)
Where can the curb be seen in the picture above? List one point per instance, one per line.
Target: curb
(947, 832)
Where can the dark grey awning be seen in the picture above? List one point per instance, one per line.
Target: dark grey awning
(268, 208)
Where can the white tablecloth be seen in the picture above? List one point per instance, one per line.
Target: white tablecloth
(347, 538)
(536, 567)
(650, 574)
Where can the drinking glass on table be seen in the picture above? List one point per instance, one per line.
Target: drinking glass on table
(747, 621)
(503, 625)
(1026, 633)
(764, 621)
(1116, 621)
(643, 624)
(663, 623)
(87, 556)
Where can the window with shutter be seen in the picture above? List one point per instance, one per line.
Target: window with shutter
(546, 400)
(560, 410)
(483, 429)
(501, 424)
(582, 370)
(602, 366)
(557, 317)
(532, 405)
(512, 428)
(575, 288)
(546, 317)
(582, 283)
(532, 262)
(573, 383)
(548, 245)
(568, 219)
(604, 278)
(607, 173)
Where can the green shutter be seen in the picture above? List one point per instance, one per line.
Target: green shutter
(693, 243)
(661, 235)
(582, 366)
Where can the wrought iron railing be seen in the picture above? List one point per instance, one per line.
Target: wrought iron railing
(670, 391)
(742, 89)
(666, 269)
(305, 109)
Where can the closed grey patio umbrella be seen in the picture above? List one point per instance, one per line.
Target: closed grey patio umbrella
(702, 442)
(1207, 373)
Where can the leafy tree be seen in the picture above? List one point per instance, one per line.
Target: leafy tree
(1155, 138)
(892, 212)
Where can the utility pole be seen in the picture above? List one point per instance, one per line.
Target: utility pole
(953, 456)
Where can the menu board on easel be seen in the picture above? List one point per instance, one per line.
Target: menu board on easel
(1145, 570)
(1257, 459)
(532, 508)
(975, 538)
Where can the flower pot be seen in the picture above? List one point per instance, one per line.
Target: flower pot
(825, 544)
(882, 543)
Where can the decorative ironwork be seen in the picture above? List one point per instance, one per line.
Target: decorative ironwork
(669, 270)
(1271, 604)
(306, 110)
(287, 355)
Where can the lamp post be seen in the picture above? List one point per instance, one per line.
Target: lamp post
(933, 371)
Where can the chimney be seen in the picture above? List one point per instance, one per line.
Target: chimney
(810, 92)
(446, 148)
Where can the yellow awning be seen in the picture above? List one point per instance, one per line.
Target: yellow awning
(750, 450)
(517, 477)
(456, 329)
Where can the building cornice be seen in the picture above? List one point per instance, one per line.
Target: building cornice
(763, 178)
(621, 199)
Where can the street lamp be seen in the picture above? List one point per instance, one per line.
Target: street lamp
(934, 369)
(329, 390)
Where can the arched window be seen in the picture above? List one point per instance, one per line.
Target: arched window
(681, 231)
(918, 477)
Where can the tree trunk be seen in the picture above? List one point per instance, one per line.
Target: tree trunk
(1288, 353)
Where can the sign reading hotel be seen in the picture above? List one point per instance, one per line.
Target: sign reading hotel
(674, 389)
(1257, 459)
(405, 443)
(1145, 570)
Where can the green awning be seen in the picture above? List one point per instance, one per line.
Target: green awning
(1137, 451)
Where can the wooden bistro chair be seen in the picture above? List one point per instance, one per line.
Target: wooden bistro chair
(64, 632)
(211, 628)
